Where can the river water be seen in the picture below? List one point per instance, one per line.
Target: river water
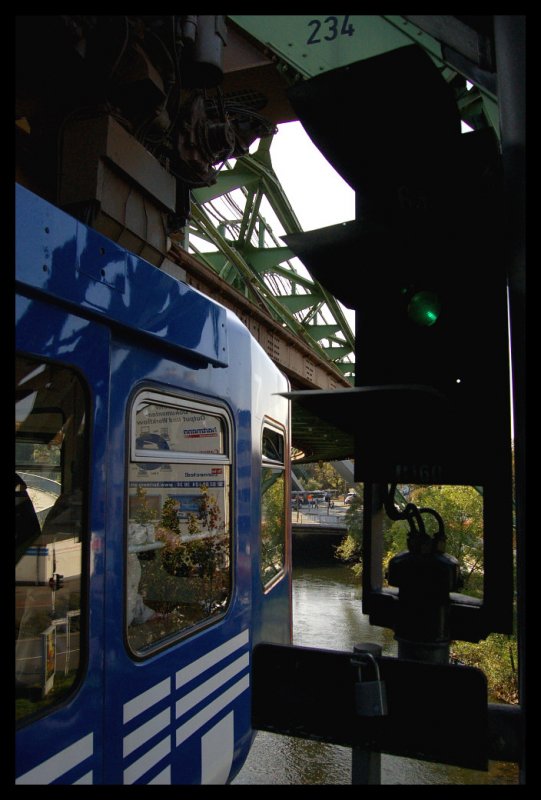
(327, 614)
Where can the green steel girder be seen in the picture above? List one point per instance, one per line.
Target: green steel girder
(226, 181)
(314, 43)
(299, 302)
(310, 44)
(247, 254)
(335, 353)
(265, 259)
(324, 332)
(256, 291)
(262, 271)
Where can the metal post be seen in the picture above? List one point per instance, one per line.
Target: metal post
(510, 45)
(365, 767)
(366, 764)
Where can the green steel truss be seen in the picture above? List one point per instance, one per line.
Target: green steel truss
(231, 228)
(231, 232)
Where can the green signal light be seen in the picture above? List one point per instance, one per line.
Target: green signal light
(424, 308)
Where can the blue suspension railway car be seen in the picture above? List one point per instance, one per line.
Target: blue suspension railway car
(152, 521)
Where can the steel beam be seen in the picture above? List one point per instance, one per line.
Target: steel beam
(295, 357)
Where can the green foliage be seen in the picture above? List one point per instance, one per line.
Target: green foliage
(170, 519)
(350, 547)
(496, 656)
(32, 702)
(461, 508)
(176, 556)
(143, 514)
(200, 556)
(272, 537)
(208, 514)
(320, 475)
(349, 550)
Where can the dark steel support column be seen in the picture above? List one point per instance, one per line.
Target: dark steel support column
(510, 45)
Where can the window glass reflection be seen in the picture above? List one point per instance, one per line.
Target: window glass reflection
(178, 538)
(50, 465)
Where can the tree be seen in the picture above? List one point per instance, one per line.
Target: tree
(461, 508)
(142, 513)
(170, 519)
(350, 547)
(321, 475)
(272, 523)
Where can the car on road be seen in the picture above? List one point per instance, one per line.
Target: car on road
(349, 498)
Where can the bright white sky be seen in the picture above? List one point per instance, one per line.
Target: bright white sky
(318, 195)
(316, 192)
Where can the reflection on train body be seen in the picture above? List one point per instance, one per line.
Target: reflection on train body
(152, 533)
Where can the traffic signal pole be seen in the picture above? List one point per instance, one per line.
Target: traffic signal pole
(510, 44)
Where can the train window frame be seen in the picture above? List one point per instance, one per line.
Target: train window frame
(151, 397)
(69, 507)
(277, 463)
(205, 527)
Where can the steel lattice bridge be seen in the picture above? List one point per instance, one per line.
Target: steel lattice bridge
(230, 233)
(234, 248)
(231, 230)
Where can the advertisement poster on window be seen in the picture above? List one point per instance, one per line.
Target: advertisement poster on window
(178, 430)
(194, 493)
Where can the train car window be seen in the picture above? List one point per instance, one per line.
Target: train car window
(178, 559)
(273, 489)
(51, 456)
(273, 445)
